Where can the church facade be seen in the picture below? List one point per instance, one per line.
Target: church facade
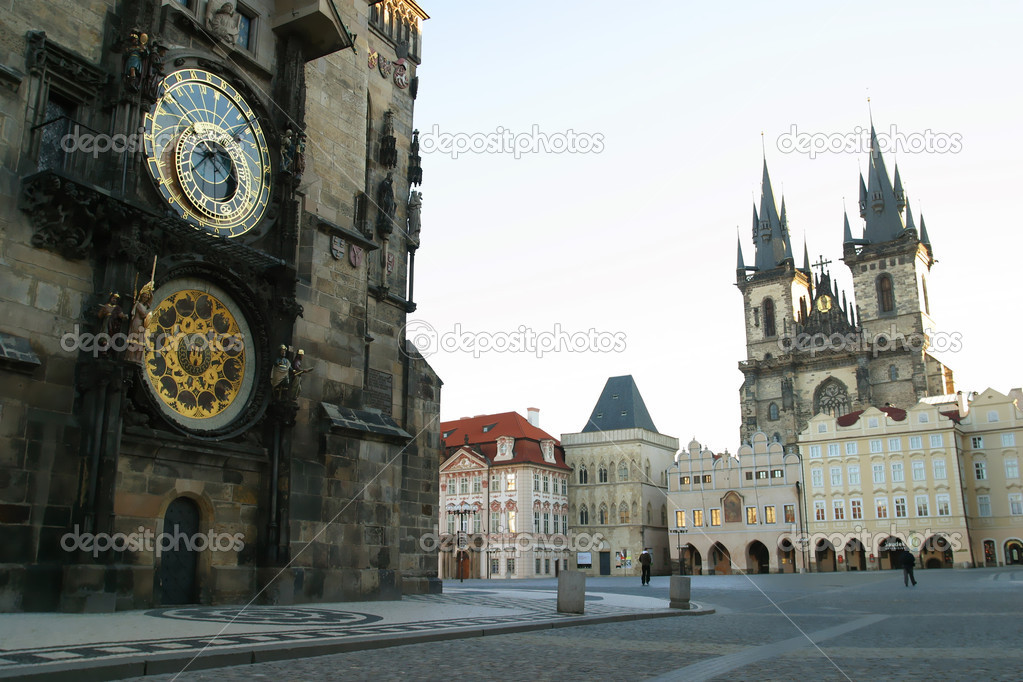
(811, 348)
(207, 244)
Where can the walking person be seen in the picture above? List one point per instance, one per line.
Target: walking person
(908, 562)
(644, 560)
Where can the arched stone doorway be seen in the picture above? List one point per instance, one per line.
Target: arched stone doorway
(694, 561)
(178, 560)
(1013, 552)
(855, 556)
(888, 553)
(758, 559)
(990, 558)
(786, 556)
(936, 552)
(825, 555)
(720, 560)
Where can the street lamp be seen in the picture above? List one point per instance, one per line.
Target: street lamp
(461, 511)
(679, 532)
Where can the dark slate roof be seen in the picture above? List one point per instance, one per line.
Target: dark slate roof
(620, 406)
(345, 419)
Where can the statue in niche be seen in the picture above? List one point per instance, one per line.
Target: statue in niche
(296, 374)
(223, 23)
(415, 205)
(134, 52)
(110, 317)
(280, 374)
(385, 202)
(140, 317)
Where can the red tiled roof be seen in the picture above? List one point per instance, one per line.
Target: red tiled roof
(894, 413)
(954, 416)
(527, 438)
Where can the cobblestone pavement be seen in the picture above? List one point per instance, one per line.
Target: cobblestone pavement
(954, 625)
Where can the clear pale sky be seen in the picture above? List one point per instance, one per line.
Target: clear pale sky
(640, 238)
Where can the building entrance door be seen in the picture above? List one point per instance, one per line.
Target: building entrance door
(605, 563)
(176, 575)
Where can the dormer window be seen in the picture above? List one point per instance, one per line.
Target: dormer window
(504, 447)
(547, 448)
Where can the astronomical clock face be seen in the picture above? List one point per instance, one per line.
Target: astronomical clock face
(207, 153)
(200, 365)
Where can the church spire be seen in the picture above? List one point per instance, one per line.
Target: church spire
(847, 233)
(900, 193)
(910, 225)
(884, 222)
(923, 232)
(806, 257)
(772, 242)
(863, 199)
(739, 264)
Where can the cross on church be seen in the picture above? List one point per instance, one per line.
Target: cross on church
(821, 264)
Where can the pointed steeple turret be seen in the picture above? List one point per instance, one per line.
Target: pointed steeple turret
(739, 264)
(806, 257)
(884, 219)
(863, 198)
(772, 241)
(910, 225)
(923, 232)
(900, 193)
(847, 232)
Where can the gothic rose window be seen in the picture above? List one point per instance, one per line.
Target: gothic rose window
(832, 398)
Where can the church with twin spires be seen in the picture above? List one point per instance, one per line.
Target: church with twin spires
(809, 347)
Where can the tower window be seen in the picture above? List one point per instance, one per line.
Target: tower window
(885, 294)
(923, 287)
(893, 373)
(773, 411)
(769, 328)
(832, 398)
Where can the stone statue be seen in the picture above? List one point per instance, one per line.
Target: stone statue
(223, 23)
(280, 375)
(134, 53)
(140, 317)
(287, 150)
(154, 71)
(385, 201)
(296, 374)
(415, 205)
(298, 156)
(110, 316)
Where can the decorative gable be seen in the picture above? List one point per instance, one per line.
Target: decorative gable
(505, 449)
(547, 448)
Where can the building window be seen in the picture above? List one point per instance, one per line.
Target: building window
(893, 373)
(751, 515)
(623, 472)
(623, 513)
(923, 418)
(769, 328)
(822, 428)
(981, 470)
(495, 483)
(836, 476)
(894, 444)
(919, 472)
(901, 511)
(495, 567)
(769, 514)
(683, 480)
(790, 513)
(856, 509)
(881, 507)
(510, 482)
(583, 476)
(547, 566)
(495, 522)
(246, 30)
(451, 524)
(984, 505)
(762, 475)
(1008, 440)
(977, 442)
(698, 517)
(992, 415)
(937, 440)
(1016, 504)
(831, 398)
(680, 518)
(546, 523)
(851, 448)
(854, 474)
(815, 451)
(885, 294)
(875, 445)
(715, 517)
(834, 450)
(943, 503)
(477, 484)
(777, 473)
(838, 509)
(463, 485)
(1011, 467)
(749, 475)
(916, 443)
(816, 477)
(564, 486)
(939, 469)
(872, 423)
(538, 566)
(922, 502)
(898, 476)
(602, 515)
(602, 474)
(772, 411)
(878, 470)
(536, 482)
(512, 525)
(819, 512)
(564, 524)
(707, 478)
(509, 565)
(546, 483)
(584, 516)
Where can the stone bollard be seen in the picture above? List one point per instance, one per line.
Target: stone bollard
(679, 592)
(571, 592)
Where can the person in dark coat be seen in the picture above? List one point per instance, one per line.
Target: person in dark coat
(645, 559)
(908, 562)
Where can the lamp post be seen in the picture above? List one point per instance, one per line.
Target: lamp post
(461, 511)
(679, 532)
